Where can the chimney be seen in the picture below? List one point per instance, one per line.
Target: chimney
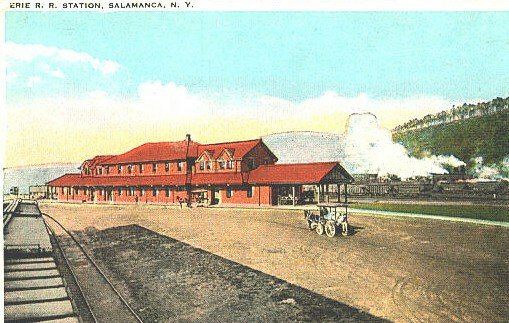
(188, 137)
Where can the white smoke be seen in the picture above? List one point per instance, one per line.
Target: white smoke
(368, 148)
(491, 172)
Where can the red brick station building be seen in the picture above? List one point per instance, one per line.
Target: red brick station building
(242, 172)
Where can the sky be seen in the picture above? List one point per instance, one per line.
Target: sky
(80, 84)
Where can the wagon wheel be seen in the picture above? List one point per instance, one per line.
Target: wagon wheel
(330, 229)
(320, 228)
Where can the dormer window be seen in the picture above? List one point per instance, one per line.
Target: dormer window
(251, 163)
(229, 164)
(202, 165)
(209, 165)
(222, 164)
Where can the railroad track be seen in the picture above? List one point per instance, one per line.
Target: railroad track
(105, 302)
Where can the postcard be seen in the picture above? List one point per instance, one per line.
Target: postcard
(255, 162)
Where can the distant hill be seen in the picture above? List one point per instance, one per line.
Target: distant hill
(23, 177)
(305, 146)
(481, 137)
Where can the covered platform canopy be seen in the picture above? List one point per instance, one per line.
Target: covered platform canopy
(294, 176)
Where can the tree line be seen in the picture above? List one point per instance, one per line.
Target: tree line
(457, 113)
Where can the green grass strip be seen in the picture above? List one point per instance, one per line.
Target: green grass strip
(482, 212)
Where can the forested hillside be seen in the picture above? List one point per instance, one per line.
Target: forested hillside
(467, 132)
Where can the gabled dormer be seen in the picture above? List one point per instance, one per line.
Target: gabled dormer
(93, 167)
(86, 168)
(205, 161)
(226, 160)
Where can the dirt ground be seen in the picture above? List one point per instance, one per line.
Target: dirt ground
(399, 269)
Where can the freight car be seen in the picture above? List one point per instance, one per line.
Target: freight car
(439, 188)
(34, 290)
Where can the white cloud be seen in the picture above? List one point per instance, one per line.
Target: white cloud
(169, 100)
(173, 103)
(33, 80)
(390, 112)
(165, 111)
(52, 72)
(11, 76)
(29, 52)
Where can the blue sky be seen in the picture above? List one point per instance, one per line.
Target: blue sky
(155, 76)
(289, 55)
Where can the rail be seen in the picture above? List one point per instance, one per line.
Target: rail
(9, 210)
(73, 273)
(103, 275)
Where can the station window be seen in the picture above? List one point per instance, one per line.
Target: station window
(202, 165)
(155, 192)
(229, 164)
(251, 163)
(222, 164)
(154, 167)
(76, 191)
(167, 192)
(119, 192)
(119, 169)
(167, 167)
(229, 192)
(131, 191)
(141, 168)
(250, 191)
(107, 170)
(142, 191)
(209, 165)
(85, 191)
(129, 169)
(180, 166)
(99, 171)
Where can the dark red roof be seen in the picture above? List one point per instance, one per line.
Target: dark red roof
(217, 178)
(78, 180)
(156, 151)
(238, 148)
(309, 173)
(96, 160)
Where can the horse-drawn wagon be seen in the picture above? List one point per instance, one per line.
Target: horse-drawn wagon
(331, 219)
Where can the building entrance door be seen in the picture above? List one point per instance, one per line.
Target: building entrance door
(109, 195)
(215, 196)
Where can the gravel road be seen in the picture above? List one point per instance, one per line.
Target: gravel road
(401, 269)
